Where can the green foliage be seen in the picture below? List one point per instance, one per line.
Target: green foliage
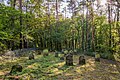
(2, 46)
(107, 56)
(45, 51)
(51, 68)
(117, 56)
(41, 30)
(71, 51)
(97, 55)
(90, 54)
(65, 51)
(75, 50)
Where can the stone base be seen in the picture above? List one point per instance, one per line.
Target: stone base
(69, 63)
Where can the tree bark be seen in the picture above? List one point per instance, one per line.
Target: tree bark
(21, 37)
(109, 21)
(12, 23)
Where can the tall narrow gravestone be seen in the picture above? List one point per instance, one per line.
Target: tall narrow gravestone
(82, 60)
(69, 59)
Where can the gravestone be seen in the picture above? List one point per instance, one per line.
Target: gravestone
(69, 59)
(16, 68)
(45, 52)
(31, 56)
(82, 60)
(97, 57)
(38, 52)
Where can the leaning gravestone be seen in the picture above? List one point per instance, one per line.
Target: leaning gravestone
(97, 57)
(69, 59)
(82, 60)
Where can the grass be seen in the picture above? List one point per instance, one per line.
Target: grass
(51, 68)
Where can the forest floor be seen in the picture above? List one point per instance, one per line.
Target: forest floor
(51, 68)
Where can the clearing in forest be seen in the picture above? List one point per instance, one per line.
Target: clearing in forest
(51, 68)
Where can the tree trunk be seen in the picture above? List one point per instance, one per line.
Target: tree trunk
(24, 39)
(118, 16)
(75, 43)
(109, 20)
(93, 29)
(25, 42)
(86, 43)
(41, 43)
(21, 37)
(83, 37)
(21, 40)
(66, 46)
(79, 39)
(12, 23)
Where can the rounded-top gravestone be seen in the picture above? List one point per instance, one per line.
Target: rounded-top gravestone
(82, 60)
(69, 59)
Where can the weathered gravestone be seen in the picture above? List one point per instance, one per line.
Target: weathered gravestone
(97, 57)
(16, 68)
(38, 52)
(69, 59)
(82, 60)
(31, 56)
(45, 52)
